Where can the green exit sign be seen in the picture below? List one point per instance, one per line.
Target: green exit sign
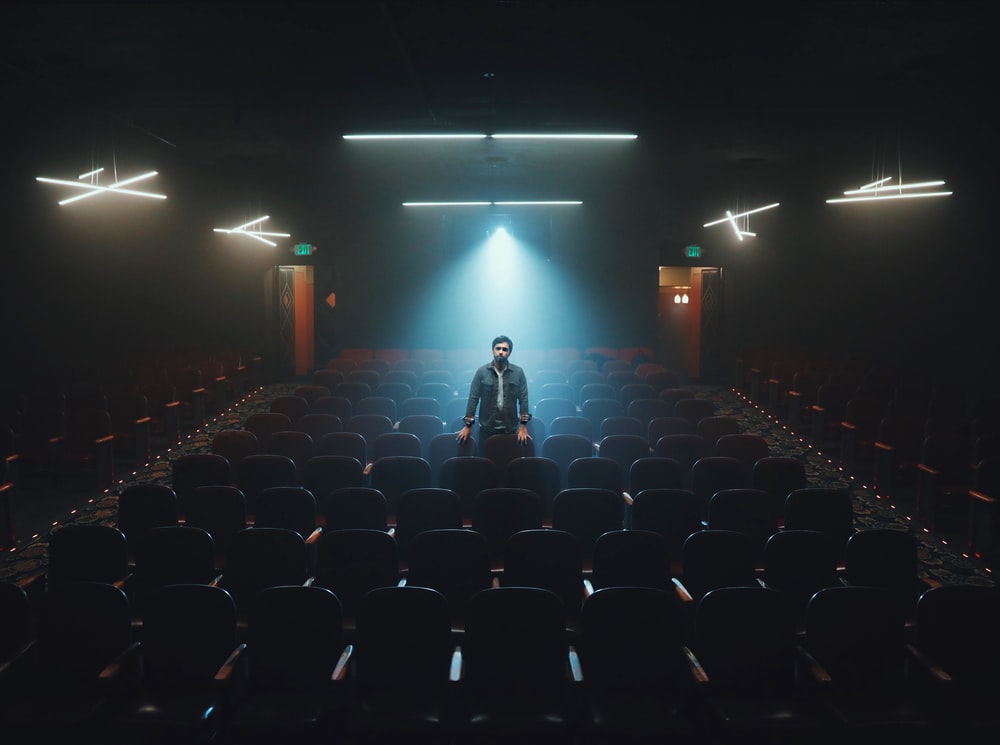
(303, 249)
(693, 252)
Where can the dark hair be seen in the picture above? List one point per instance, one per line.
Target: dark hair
(503, 338)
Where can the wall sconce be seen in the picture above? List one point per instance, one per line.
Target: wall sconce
(681, 296)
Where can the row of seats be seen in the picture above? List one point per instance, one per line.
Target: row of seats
(624, 464)
(572, 558)
(927, 443)
(639, 665)
(540, 358)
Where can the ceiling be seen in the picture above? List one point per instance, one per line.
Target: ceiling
(256, 88)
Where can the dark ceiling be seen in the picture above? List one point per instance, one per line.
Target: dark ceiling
(256, 86)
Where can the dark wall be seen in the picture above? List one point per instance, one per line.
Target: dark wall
(908, 283)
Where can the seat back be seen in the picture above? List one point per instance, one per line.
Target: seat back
(295, 638)
(454, 562)
(87, 552)
(587, 513)
(324, 473)
(353, 507)
(142, 506)
(673, 513)
(636, 558)
(188, 632)
(259, 558)
(429, 508)
(351, 562)
(395, 474)
(500, 512)
(546, 558)
(537, 473)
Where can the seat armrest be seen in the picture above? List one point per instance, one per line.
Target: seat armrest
(682, 591)
(456, 667)
(126, 661)
(575, 669)
(921, 663)
(811, 666)
(340, 669)
(229, 667)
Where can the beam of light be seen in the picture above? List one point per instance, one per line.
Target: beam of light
(256, 233)
(881, 190)
(90, 173)
(740, 214)
(95, 189)
(488, 267)
(526, 203)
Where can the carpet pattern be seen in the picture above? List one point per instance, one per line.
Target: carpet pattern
(939, 561)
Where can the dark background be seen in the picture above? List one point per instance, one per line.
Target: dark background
(241, 109)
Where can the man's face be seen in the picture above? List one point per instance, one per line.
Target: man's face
(501, 351)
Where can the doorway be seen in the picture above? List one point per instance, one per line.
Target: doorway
(290, 293)
(689, 320)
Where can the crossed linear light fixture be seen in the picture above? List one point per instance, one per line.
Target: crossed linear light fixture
(878, 191)
(252, 230)
(93, 188)
(522, 203)
(731, 219)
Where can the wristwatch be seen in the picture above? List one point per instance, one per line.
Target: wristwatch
(469, 421)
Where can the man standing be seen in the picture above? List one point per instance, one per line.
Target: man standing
(500, 391)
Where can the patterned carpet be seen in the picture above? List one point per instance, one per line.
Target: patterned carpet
(940, 562)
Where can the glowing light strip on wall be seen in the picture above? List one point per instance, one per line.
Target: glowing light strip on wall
(875, 191)
(731, 219)
(539, 203)
(256, 233)
(93, 188)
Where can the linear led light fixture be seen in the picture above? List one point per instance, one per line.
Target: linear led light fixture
(876, 191)
(416, 137)
(582, 136)
(254, 232)
(731, 219)
(495, 136)
(93, 189)
(538, 203)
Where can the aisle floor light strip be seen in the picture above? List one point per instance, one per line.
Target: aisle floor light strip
(92, 188)
(731, 219)
(880, 190)
(252, 230)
